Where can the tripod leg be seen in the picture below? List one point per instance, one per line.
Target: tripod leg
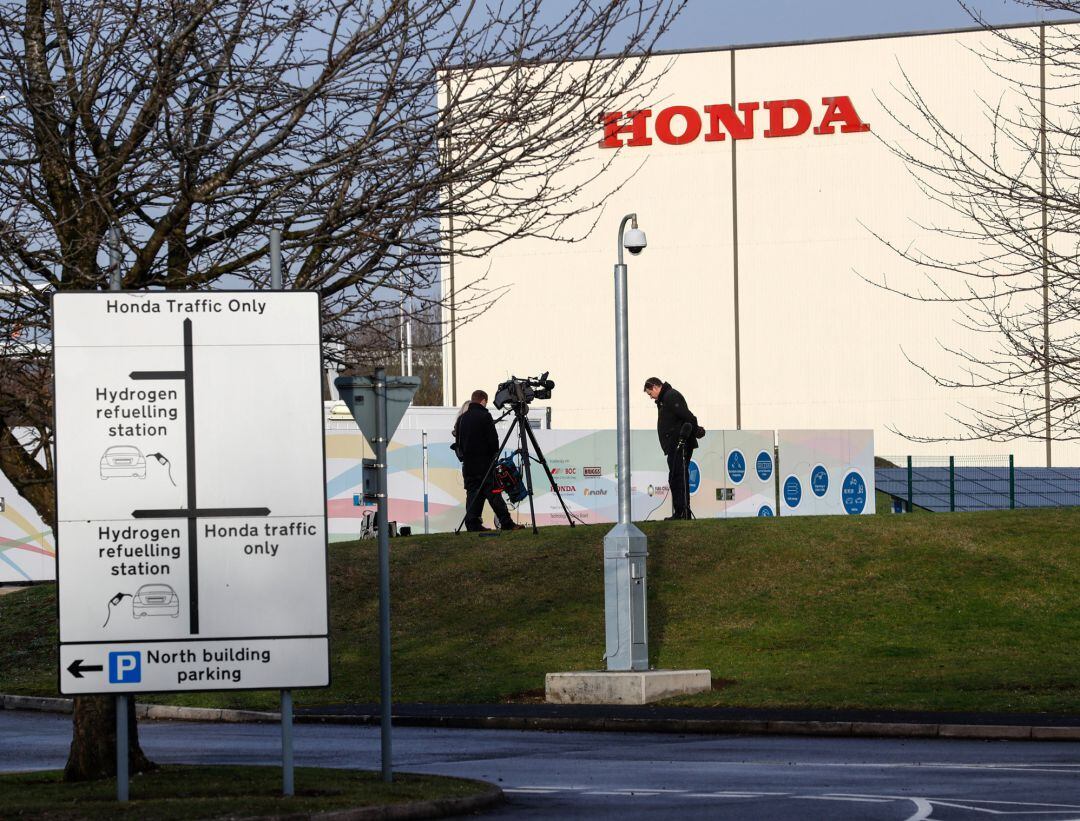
(547, 471)
(526, 461)
(491, 468)
(686, 486)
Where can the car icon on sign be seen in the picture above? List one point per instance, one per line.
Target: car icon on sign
(123, 461)
(155, 600)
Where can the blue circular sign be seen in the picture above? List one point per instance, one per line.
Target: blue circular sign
(764, 466)
(695, 476)
(736, 466)
(819, 481)
(792, 491)
(853, 492)
(764, 510)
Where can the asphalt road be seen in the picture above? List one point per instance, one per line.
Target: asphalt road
(628, 776)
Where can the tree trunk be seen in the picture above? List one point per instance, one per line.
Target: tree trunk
(93, 740)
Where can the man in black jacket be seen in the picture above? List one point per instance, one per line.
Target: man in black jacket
(678, 430)
(477, 446)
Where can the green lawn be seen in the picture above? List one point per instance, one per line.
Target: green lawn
(178, 792)
(953, 612)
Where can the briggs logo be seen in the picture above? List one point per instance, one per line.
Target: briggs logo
(682, 124)
(592, 471)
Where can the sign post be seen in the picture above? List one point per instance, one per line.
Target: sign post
(191, 506)
(377, 404)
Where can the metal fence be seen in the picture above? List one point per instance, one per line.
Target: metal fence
(950, 483)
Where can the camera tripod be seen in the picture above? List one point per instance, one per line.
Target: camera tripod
(520, 412)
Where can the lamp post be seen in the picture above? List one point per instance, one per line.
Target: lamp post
(625, 546)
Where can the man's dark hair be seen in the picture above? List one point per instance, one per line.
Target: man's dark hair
(479, 396)
(654, 382)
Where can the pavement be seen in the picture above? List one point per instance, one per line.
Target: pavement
(645, 719)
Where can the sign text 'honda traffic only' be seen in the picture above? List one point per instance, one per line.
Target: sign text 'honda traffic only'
(191, 493)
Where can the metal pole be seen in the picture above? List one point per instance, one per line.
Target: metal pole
(910, 487)
(423, 439)
(408, 347)
(115, 281)
(275, 259)
(121, 748)
(952, 484)
(622, 379)
(735, 254)
(1012, 483)
(384, 572)
(1045, 244)
(625, 546)
(286, 743)
(286, 695)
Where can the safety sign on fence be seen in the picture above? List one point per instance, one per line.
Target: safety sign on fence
(191, 503)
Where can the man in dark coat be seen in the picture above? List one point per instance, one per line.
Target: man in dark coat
(678, 430)
(477, 446)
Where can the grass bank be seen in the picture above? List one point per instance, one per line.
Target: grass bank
(180, 792)
(943, 612)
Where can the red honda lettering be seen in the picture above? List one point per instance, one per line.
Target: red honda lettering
(613, 127)
(691, 129)
(840, 110)
(724, 114)
(777, 108)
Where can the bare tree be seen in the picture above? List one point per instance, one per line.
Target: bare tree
(1013, 268)
(195, 127)
(383, 343)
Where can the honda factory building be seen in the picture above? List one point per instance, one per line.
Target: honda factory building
(768, 182)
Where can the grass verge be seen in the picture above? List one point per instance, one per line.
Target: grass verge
(966, 611)
(180, 792)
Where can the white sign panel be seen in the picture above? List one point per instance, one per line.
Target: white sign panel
(191, 503)
(826, 472)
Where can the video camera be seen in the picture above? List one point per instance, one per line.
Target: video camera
(516, 391)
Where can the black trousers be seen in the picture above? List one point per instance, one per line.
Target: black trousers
(678, 463)
(476, 491)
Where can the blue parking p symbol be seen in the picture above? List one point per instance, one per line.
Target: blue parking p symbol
(125, 668)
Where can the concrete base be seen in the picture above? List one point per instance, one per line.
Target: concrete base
(631, 687)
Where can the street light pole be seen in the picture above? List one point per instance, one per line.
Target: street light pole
(625, 546)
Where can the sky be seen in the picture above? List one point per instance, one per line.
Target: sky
(712, 23)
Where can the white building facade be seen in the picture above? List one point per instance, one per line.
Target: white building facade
(768, 183)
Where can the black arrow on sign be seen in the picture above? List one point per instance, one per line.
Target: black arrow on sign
(77, 668)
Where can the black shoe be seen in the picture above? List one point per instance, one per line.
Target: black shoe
(511, 526)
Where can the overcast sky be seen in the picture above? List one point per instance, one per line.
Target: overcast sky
(710, 23)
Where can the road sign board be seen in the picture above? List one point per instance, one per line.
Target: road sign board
(358, 392)
(191, 493)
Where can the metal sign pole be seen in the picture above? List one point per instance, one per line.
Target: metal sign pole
(423, 438)
(121, 700)
(121, 748)
(384, 572)
(286, 743)
(276, 284)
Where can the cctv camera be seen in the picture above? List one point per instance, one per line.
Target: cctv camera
(634, 241)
